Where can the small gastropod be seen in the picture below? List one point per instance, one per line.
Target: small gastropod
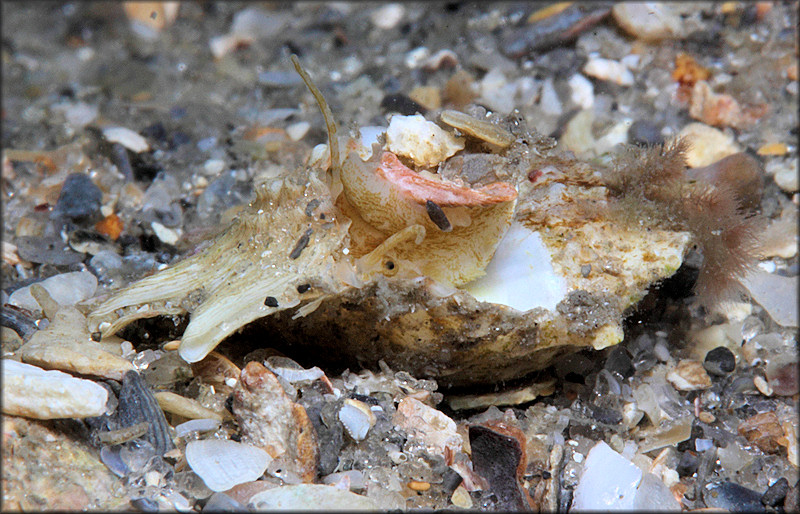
(375, 255)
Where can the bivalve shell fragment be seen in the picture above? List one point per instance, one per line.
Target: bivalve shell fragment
(223, 464)
(357, 418)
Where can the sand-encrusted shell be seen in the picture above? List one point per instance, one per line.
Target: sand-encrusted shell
(309, 262)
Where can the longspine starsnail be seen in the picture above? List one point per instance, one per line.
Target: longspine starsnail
(498, 295)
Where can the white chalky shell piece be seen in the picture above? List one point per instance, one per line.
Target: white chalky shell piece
(304, 497)
(223, 464)
(33, 392)
(357, 418)
(127, 138)
(420, 140)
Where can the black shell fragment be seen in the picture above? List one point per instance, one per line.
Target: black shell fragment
(136, 405)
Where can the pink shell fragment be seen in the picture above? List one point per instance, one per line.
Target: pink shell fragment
(446, 194)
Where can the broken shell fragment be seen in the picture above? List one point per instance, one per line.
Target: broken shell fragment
(357, 418)
(420, 140)
(223, 464)
(483, 130)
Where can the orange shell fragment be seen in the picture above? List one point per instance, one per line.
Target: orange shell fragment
(445, 194)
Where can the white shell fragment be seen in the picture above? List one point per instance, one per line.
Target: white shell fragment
(776, 294)
(66, 289)
(166, 235)
(387, 16)
(520, 274)
(357, 418)
(607, 69)
(197, 425)
(223, 464)
(420, 140)
(33, 392)
(609, 481)
(298, 375)
(310, 497)
(127, 138)
(369, 137)
(581, 91)
(427, 426)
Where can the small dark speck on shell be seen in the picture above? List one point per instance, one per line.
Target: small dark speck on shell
(271, 301)
(302, 288)
(437, 215)
(313, 204)
(301, 244)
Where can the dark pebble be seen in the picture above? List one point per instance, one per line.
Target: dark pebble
(451, 480)
(89, 241)
(719, 361)
(696, 433)
(496, 457)
(79, 200)
(645, 133)
(144, 166)
(119, 156)
(178, 138)
(156, 132)
(402, 104)
(177, 113)
(776, 493)
(554, 30)
(733, 497)
(687, 465)
(330, 438)
(792, 499)
(619, 362)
